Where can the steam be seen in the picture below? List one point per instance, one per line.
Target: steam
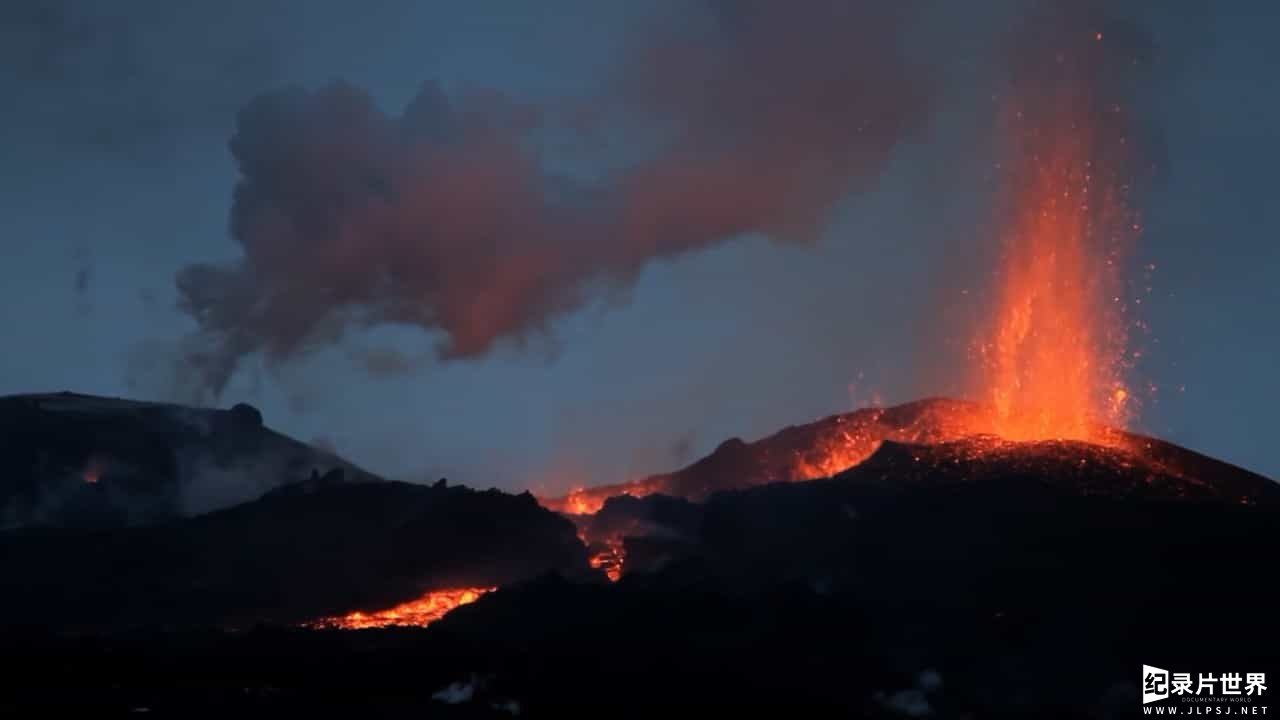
(207, 484)
(449, 218)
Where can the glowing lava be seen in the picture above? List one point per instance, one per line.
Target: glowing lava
(420, 613)
(610, 558)
(581, 501)
(1052, 360)
(817, 450)
(588, 501)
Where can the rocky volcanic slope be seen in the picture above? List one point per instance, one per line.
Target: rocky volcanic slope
(828, 446)
(963, 578)
(299, 553)
(799, 452)
(83, 461)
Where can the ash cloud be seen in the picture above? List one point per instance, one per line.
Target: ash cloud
(448, 218)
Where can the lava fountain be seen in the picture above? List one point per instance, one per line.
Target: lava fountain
(1052, 358)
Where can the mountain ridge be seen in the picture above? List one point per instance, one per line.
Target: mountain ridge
(76, 460)
(836, 443)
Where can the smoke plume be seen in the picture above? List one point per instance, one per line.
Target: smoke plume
(447, 216)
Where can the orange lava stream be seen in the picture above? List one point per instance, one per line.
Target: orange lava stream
(420, 613)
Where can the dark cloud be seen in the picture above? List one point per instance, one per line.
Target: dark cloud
(446, 216)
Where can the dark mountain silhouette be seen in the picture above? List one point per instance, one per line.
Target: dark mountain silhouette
(83, 461)
(299, 553)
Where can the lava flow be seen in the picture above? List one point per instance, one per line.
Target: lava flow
(419, 613)
(610, 558)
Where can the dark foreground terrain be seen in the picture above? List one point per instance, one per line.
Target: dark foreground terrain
(959, 579)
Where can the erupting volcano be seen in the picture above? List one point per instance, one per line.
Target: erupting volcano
(704, 214)
(1047, 365)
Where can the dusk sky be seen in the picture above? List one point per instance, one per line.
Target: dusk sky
(815, 235)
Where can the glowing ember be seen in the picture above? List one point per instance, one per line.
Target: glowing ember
(420, 613)
(1053, 357)
(588, 501)
(610, 558)
(580, 502)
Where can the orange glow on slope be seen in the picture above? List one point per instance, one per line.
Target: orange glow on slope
(1052, 359)
(421, 612)
(588, 501)
(842, 442)
(580, 502)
